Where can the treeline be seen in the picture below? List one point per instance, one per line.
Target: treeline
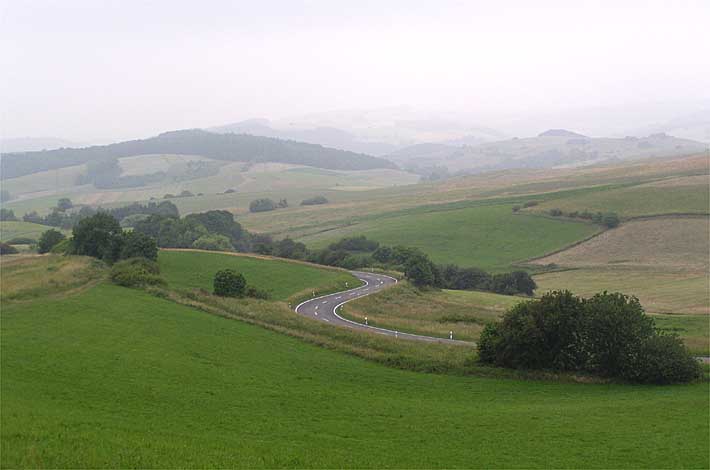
(218, 231)
(608, 219)
(226, 147)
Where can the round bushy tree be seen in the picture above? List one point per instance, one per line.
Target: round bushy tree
(139, 245)
(100, 236)
(48, 240)
(229, 283)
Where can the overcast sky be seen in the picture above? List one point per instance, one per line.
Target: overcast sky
(95, 69)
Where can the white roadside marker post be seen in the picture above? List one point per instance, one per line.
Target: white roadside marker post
(366, 320)
(396, 334)
(451, 335)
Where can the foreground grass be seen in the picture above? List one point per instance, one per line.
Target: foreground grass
(139, 381)
(488, 236)
(282, 279)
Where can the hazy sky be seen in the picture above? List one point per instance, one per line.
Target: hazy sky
(97, 69)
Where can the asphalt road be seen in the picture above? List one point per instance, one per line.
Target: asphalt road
(325, 308)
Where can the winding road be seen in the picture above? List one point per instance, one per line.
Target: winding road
(325, 308)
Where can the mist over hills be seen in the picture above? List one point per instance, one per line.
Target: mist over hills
(227, 147)
(550, 149)
(33, 144)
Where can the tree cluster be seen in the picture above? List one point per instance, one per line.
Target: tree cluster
(266, 204)
(608, 335)
(101, 236)
(608, 219)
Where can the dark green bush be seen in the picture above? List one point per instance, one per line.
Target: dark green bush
(229, 283)
(662, 359)
(136, 272)
(6, 249)
(555, 212)
(608, 334)
(139, 245)
(262, 205)
(530, 204)
(615, 328)
(49, 240)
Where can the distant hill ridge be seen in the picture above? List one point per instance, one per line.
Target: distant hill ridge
(228, 147)
(562, 133)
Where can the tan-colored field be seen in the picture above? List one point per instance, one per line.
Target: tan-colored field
(658, 291)
(675, 244)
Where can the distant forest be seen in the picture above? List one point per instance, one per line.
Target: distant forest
(227, 147)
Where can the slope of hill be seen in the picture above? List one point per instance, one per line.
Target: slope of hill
(228, 147)
(142, 382)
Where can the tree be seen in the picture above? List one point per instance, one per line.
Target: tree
(229, 283)
(616, 328)
(100, 236)
(218, 222)
(48, 240)
(537, 334)
(420, 271)
(6, 249)
(64, 204)
(262, 205)
(555, 212)
(139, 245)
(7, 214)
(213, 242)
(185, 193)
(610, 219)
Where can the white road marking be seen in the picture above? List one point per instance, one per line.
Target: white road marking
(324, 302)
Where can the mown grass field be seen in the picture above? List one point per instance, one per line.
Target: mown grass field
(117, 378)
(668, 243)
(10, 230)
(282, 279)
(676, 196)
(488, 237)
(658, 291)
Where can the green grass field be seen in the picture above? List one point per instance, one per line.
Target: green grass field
(488, 236)
(116, 378)
(680, 196)
(282, 279)
(10, 230)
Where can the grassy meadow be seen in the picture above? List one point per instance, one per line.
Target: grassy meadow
(488, 236)
(673, 196)
(113, 377)
(281, 278)
(431, 313)
(10, 230)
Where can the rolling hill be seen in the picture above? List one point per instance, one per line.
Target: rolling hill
(555, 148)
(226, 147)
